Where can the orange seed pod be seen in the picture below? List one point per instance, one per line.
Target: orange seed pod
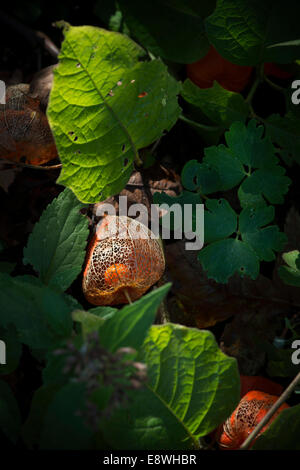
(25, 135)
(249, 412)
(122, 256)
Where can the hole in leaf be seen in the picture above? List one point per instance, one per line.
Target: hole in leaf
(242, 268)
(195, 180)
(220, 201)
(123, 147)
(71, 133)
(78, 65)
(125, 162)
(75, 138)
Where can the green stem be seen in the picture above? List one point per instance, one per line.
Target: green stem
(253, 90)
(200, 126)
(274, 85)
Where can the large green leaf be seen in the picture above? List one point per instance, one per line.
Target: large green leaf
(63, 428)
(56, 247)
(10, 419)
(105, 106)
(283, 433)
(251, 32)
(129, 327)
(221, 106)
(192, 387)
(172, 29)
(41, 316)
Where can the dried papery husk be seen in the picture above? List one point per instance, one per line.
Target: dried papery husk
(249, 412)
(25, 135)
(123, 258)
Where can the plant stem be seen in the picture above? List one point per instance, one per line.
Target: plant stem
(283, 397)
(273, 85)
(253, 90)
(138, 160)
(200, 126)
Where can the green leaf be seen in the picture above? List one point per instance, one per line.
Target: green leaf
(250, 200)
(56, 246)
(105, 106)
(290, 274)
(222, 259)
(31, 430)
(63, 428)
(10, 419)
(184, 200)
(249, 158)
(247, 144)
(264, 241)
(269, 182)
(221, 106)
(40, 314)
(7, 267)
(228, 167)
(220, 220)
(13, 349)
(129, 326)
(280, 362)
(192, 387)
(94, 318)
(283, 432)
(173, 29)
(200, 176)
(250, 33)
(285, 132)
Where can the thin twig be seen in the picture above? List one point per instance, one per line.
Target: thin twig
(27, 165)
(283, 397)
